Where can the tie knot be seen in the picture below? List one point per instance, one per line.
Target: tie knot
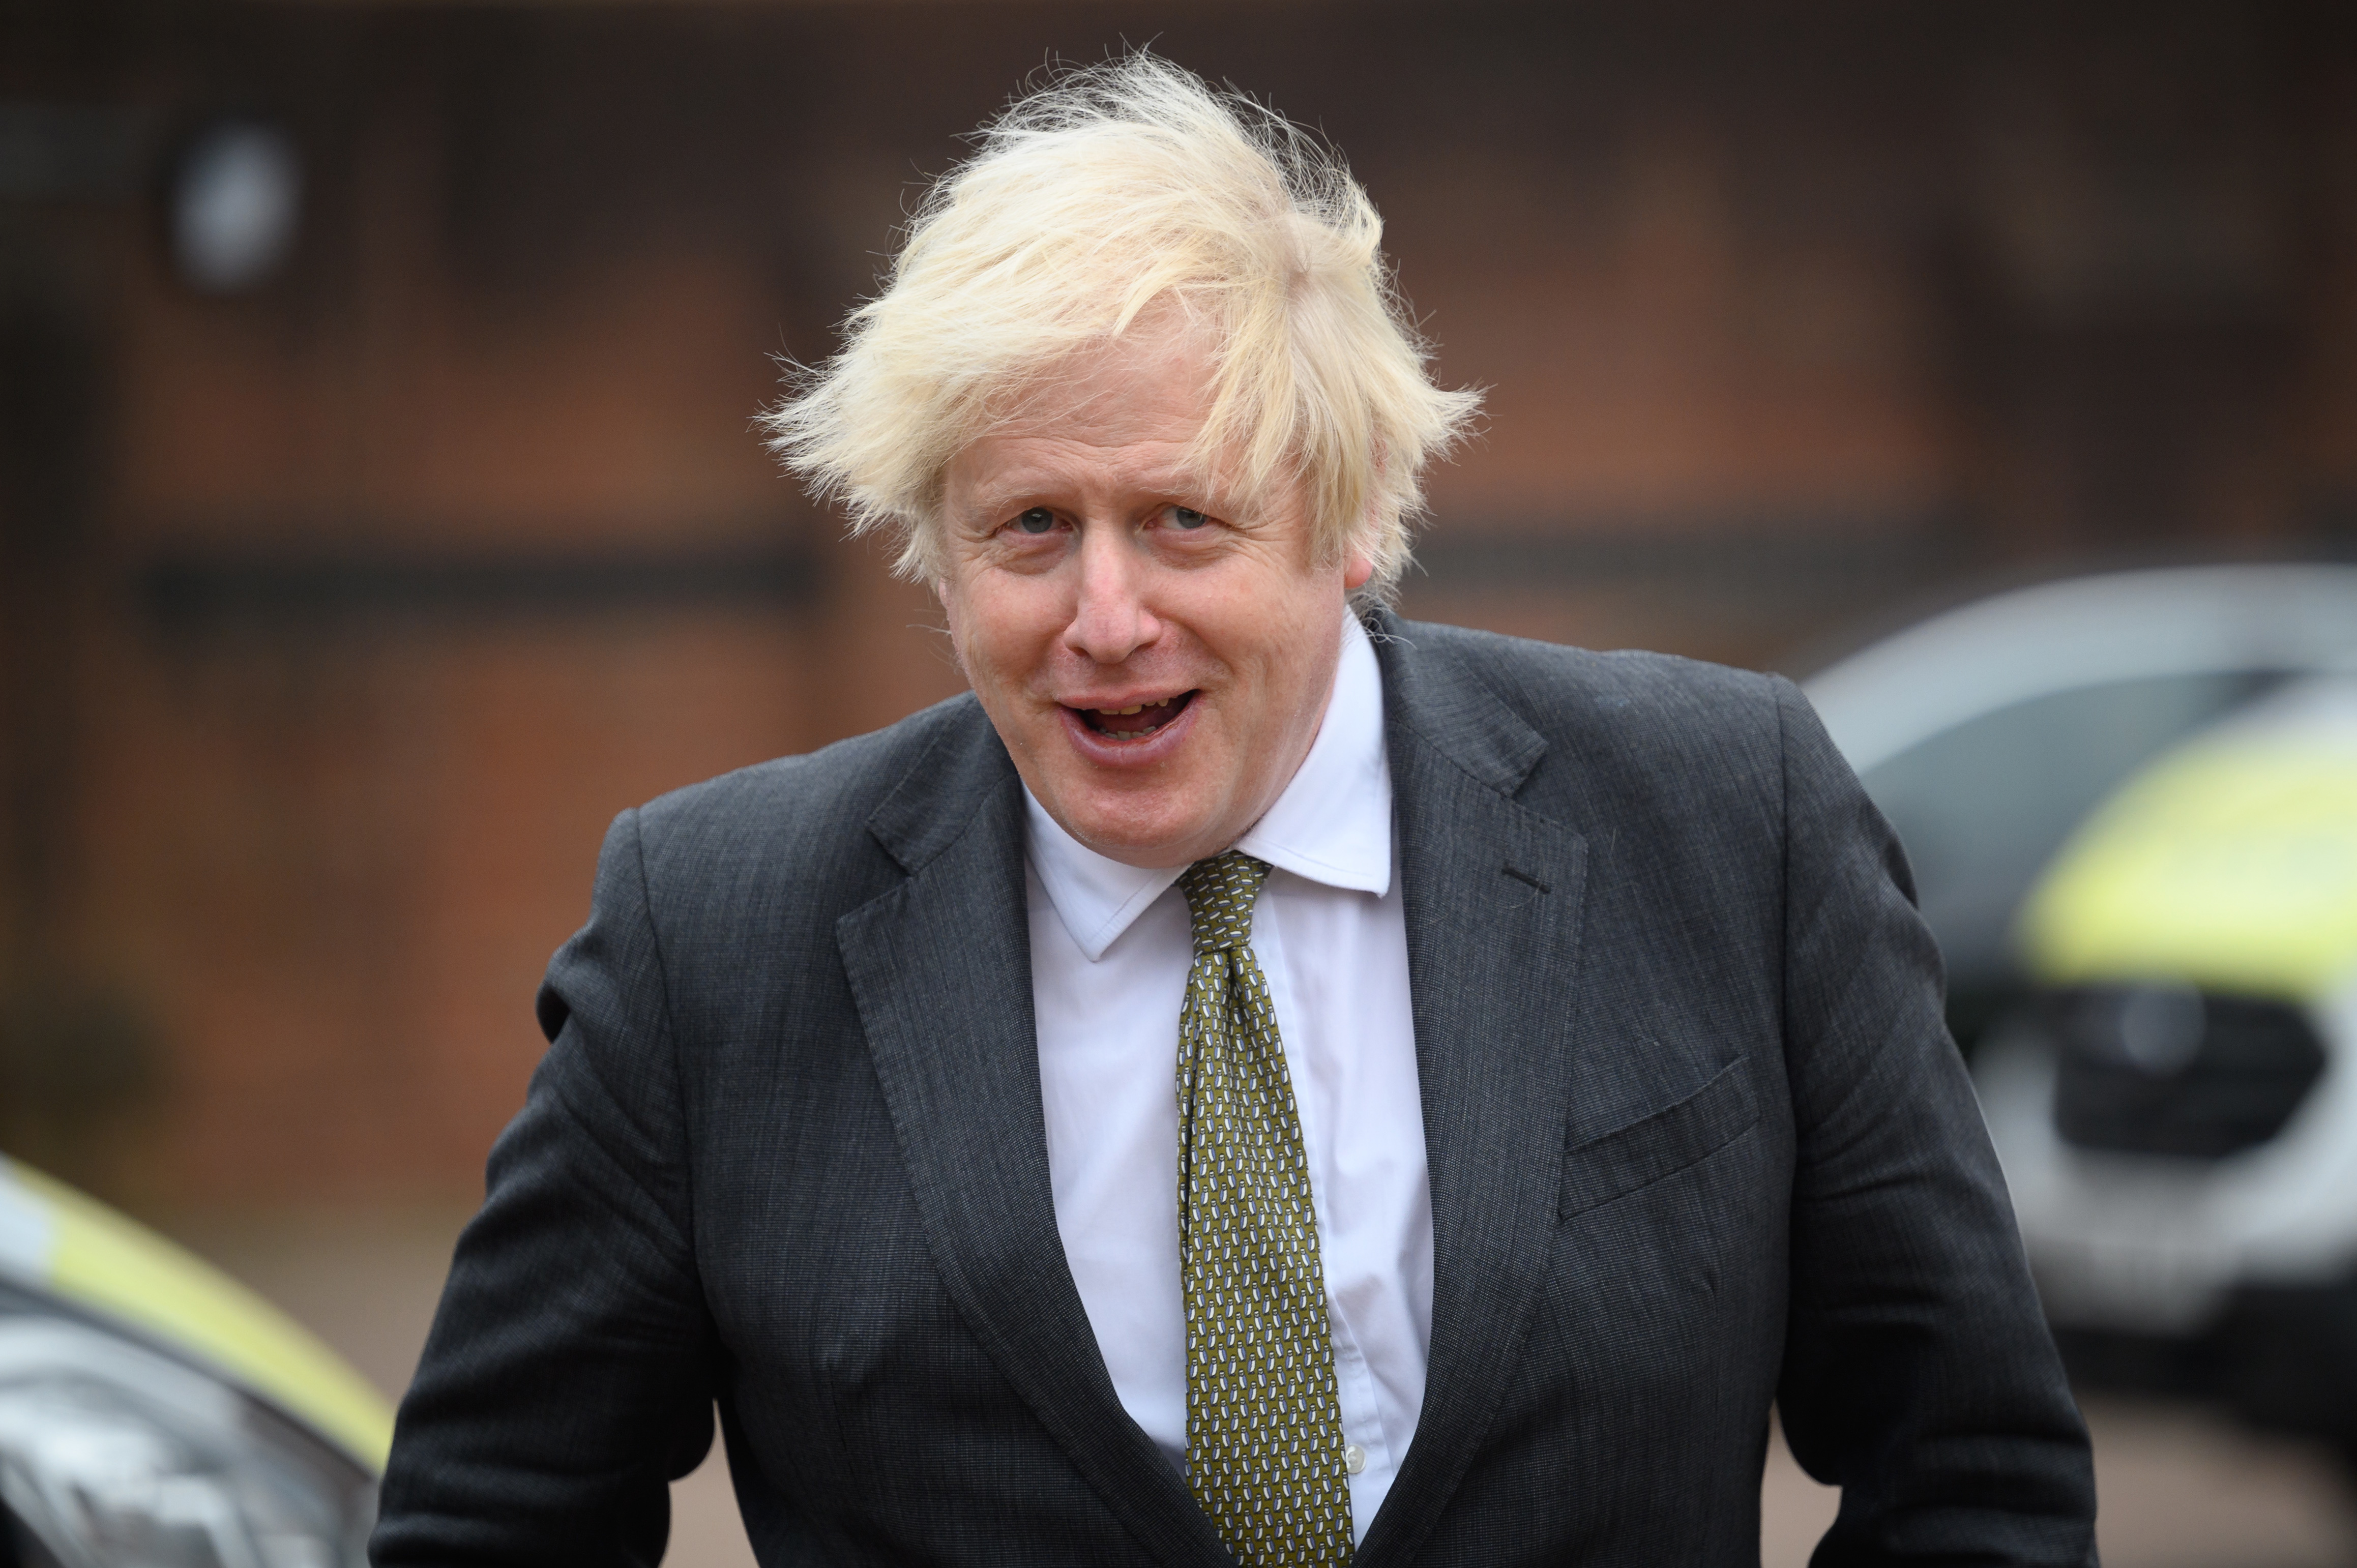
(1220, 893)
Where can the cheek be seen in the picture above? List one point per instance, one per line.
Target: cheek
(1000, 636)
(1305, 643)
(954, 611)
(1287, 639)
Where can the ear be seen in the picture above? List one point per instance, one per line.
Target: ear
(1359, 564)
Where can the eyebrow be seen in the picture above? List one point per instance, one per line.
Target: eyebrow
(1186, 486)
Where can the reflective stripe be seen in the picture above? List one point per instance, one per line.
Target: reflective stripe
(28, 1237)
(2231, 863)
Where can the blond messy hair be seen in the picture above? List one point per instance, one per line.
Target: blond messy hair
(1109, 192)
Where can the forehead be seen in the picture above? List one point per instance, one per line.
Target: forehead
(1129, 412)
(1152, 380)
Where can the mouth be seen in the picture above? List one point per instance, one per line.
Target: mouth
(1138, 722)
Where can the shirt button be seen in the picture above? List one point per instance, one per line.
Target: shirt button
(1354, 1458)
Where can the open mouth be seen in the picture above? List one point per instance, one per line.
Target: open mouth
(1137, 721)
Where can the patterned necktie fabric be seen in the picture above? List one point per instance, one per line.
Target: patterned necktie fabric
(1264, 1448)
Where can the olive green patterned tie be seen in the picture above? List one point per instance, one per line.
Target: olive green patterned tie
(1263, 1426)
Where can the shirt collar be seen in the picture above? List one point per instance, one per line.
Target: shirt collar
(1332, 825)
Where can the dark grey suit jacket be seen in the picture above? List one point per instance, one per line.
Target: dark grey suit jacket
(1697, 1138)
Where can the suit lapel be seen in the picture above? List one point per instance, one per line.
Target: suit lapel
(1493, 895)
(942, 971)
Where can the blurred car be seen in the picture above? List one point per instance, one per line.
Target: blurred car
(2131, 802)
(154, 1415)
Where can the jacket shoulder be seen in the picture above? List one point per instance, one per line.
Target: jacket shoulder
(1635, 707)
(800, 813)
(1673, 750)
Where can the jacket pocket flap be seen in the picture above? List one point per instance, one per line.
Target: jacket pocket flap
(1644, 1151)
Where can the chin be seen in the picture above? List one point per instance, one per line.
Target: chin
(1123, 836)
(1141, 849)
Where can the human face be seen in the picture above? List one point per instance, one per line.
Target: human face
(1156, 652)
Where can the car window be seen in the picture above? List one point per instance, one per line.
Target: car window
(1983, 806)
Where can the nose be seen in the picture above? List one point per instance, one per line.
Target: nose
(1110, 620)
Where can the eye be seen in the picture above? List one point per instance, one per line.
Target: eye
(1038, 520)
(1188, 517)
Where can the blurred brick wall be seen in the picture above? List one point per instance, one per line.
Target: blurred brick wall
(344, 614)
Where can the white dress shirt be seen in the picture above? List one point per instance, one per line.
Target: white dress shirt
(1111, 946)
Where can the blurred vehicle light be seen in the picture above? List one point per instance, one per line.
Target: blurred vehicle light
(155, 1415)
(112, 1456)
(2162, 1069)
(234, 207)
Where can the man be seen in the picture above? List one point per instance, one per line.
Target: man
(1257, 1080)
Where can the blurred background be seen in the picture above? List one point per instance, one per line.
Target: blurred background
(380, 511)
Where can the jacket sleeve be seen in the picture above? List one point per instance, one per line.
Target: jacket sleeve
(1919, 1373)
(569, 1375)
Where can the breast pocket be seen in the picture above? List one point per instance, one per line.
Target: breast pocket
(1616, 1164)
